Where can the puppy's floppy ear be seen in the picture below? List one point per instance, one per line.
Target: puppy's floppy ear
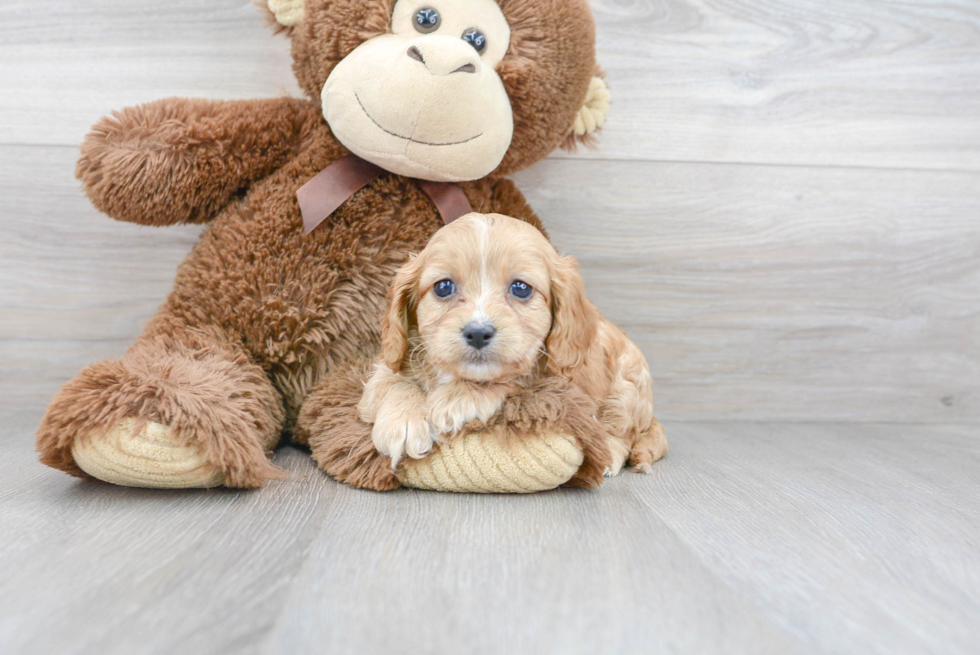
(575, 320)
(402, 294)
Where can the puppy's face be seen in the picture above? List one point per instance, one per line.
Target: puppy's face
(483, 304)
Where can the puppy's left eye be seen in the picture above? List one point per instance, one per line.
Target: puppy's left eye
(521, 290)
(444, 288)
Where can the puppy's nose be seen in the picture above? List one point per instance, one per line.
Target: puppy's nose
(478, 336)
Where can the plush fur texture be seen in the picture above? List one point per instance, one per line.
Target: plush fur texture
(205, 390)
(181, 160)
(340, 443)
(260, 312)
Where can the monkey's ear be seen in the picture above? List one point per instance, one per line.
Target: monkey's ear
(288, 13)
(591, 115)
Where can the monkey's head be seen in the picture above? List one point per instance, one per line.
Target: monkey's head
(449, 90)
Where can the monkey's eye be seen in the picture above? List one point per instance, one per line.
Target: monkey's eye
(475, 38)
(427, 20)
(444, 288)
(521, 290)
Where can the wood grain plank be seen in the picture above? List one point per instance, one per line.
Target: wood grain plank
(757, 293)
(841, 556)
(855, 538)
(32, 370)
(558, 572)
(755, 538)
(65, 64)
(806, 82)
(857, 83)
(92, 568)
(63, 264)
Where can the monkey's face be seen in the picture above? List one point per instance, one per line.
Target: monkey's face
(449, 90)
(425, 100)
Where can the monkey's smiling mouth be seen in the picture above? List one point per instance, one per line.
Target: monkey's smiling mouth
(408, 138)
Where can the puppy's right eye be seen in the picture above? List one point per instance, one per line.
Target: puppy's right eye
(521, 289)
(444, 288)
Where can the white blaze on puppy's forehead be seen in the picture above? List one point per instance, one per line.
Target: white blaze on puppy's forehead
(486, 289)
(501, 250)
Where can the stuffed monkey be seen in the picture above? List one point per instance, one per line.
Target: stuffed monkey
(416, 111)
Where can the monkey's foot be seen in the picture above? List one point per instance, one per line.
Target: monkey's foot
(150, 456)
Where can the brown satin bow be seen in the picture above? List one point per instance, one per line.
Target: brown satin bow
(331, 187)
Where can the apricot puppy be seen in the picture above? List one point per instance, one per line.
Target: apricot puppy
(486, 308)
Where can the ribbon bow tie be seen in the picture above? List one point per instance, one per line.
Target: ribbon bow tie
(334, 185)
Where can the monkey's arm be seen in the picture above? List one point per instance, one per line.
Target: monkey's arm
(180, 160)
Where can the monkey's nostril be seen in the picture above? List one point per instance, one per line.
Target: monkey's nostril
(466, 68)
(416, 54)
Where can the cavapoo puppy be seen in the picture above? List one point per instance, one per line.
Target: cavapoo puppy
(487, 308)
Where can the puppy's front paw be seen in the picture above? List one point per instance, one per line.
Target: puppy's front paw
(402, 433)
(450, 410)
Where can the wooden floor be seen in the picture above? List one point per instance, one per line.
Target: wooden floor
(784, 213)
(748, 538)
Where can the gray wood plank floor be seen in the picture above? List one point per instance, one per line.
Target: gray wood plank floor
(748, 538)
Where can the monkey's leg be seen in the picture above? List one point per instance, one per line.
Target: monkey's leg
(340, 443)
(182, 408)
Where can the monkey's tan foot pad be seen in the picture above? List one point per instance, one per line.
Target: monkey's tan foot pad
(477, 463)
(149, 457)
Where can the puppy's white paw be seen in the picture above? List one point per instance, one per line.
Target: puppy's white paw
(402, 433)
(451, 412)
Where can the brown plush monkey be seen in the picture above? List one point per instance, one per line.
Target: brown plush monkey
(262, 312)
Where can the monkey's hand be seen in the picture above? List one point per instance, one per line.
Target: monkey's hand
(180, 160)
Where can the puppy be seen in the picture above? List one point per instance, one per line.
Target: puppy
(485, 309)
